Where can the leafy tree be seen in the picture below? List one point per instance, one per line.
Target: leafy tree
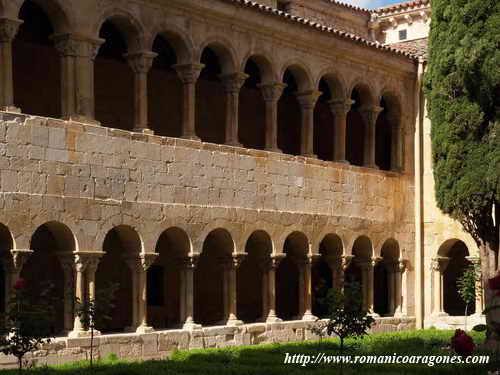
(462, 88)
(27, 322)
(95, 313)
(466, 285)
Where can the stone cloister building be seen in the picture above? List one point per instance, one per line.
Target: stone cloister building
(221, 160)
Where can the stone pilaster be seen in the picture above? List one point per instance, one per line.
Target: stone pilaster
(438, 266)
(8, 31)
(307, 101)
(232, 86)
(340, 109)
(189, 74)
(370, 115)
(78, 54)
(271, 92)
(141, 63)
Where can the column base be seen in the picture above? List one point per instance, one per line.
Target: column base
(273, 319)
(439, 314)
(144, 329)
(82, 334)
(273, 149)
(372, 166)
(234, 322)
(309, 317)
(343, 161)
(10, 109)
(234, 144)
(81, 119)
(191, 326)
(311, 156)
(399, 315)
(143, 131)
(191, 138)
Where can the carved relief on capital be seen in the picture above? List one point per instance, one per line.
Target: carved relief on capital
(189, 262)
(87, 261)
(346, 261)
(8, 29)
(188, 73)
(271, 92)
(439, 264)
(370, 114)
(141, 62)
(147, 260)
(341, 107)
(308, 99)
(234, 81)
(76, 45)
(19, 259)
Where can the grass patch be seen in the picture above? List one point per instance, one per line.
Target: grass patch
(268, 359)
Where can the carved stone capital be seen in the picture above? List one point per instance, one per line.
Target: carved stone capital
(341, 107)
(346, 261)
(402, 265)
(308, 99)
(147, 260)
(275, 260)
(141, 62)
(19, 259)
(76, 45)
(188, 73)
(376, 260)
(189, 262)
(234, 81)
(87, 261)
(271, 92)
(370, 114)
(8, 29)
(439, 264)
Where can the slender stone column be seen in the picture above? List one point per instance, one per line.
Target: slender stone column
(8, 30)
(189, 265)
(189, 73)
(438, 265)
(232, 318)
(146, 260)
(77, 76)
(340, 109)
(273, 266)
(307, 101)
(265, 287)
(182, 294)
(370, 115)
(67, 262)
(134, 264)
(141, 63)
(401, 304)
(371, 285)
(271, 93)
(306, 266)
(232, 85)
(345, 262)
(365, 283)
(79, 268)
(391, 288)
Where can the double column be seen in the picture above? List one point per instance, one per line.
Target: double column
(77, 63)
(340, 109)
(232, 86)
(187, 267)
(8, 30)
(367, 272)
(189, 74)
(438, 266)
(269, 288)
(370, 115)
(85, 267)
(141, 63)
(307, 101)
(229, 267)
(271, 92)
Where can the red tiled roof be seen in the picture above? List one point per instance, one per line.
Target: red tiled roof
(401, 6)
(320, 27)
(417, 47)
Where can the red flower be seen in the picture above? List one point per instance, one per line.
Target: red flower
(462, 343)
(20, 284)
(494, 284)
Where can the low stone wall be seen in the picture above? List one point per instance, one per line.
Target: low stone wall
(160, 344)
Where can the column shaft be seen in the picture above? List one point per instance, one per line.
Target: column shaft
(271, 296)
(232, 85)
(271, 93)
(188, 265)
(307, 268)
(439, 265)
(307, 101)
(392, 290)
(340, 109)
(146, 261)
(8, 30)
(370, 115)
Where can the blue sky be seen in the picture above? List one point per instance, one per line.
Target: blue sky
(370, 4)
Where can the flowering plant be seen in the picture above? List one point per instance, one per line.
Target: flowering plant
(462, 343)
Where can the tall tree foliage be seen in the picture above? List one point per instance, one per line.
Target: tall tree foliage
(463, 92)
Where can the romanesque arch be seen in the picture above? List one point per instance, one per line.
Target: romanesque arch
(37, 87)
(360, 269)
(210, 279)
(386, 284)
(119, 265)
(50, 266)
(289, 277)
(388, 133)
(166, 294)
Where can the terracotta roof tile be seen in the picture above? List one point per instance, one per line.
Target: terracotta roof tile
(417, 47)
(401, 6)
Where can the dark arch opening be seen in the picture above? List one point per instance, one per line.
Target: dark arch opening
(252, 114)
(383, 139)
(355, 132)
(210, 100)
(453, 303)
(209, 280)
(114, 80)
(323, 124)
(289, 117)
(165, 92)
(6, 245)
(164, 283)
(37, 86)
(385, 279)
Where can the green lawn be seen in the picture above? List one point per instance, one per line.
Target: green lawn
(268, 359)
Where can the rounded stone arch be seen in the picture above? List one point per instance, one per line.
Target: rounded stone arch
(328, 235)
(280, 242)
(62, 233)
(127, 23)
(266, 66)
(300, 72)
(7, 242)
(446, 246)
(389, 249)
(61, 15)
(365, 90)
(114, 222)
(177, 37)
(177, 238)
(225, 51)
(219, 224)
(247, 235)
(335, 82)
(129, 237)
(362, 247)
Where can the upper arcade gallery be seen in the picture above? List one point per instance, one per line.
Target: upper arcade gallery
(122, 72)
